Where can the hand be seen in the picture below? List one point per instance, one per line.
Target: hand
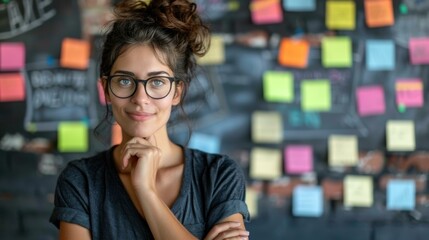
(227, 230)
(141, 158)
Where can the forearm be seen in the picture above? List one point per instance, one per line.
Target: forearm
(162, 222)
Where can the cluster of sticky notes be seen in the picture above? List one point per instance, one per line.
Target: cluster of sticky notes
(401, 194)
(307, 201)
(278, 86)
(205, 142)
(343, 150)
(72, 137)
(75, 53)
(293, 52)
(266, 11)
(370, 100)
(265, 163)
(400, 135)
(216, 53)
(380, 55)
(267, 127)
(409, 92)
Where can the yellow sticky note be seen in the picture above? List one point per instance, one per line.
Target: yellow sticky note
(72, 137)
(358, 191)
(265, 163)
(340, 15)
(267, 127)
(216, 53)
(337, 52)
(316, 95)
(343, 150)
(252, 201)
(75, 53)
(400, 135)
(278, 86)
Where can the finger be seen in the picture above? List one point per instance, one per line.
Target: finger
(233, 234)
(221, 227)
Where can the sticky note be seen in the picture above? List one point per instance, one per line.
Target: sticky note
(379, 13)
(401, 194)
(380, 55)
(299, 5)
(370, 100)
(216, 53)
(293, 52)
(205, 142)
(400, 135)
(307, 201)
(340, 15)
(12, 87)
(72, 137)
(266, 11)
(298, 159)
(336, 52)
(116, 134)
(419, 50)
(343, 150)
(409, 92)
(316, 95)
(12, 56)
(278, 86)
(75, 53)
(358, 191)
(267, 127)
(252, 199)
(265, 163)
(101, 96)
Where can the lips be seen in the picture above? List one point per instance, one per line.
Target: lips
(140, 116)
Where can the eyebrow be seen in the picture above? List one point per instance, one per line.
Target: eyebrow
(150, 74)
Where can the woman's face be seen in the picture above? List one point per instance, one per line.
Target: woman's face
(140, 115)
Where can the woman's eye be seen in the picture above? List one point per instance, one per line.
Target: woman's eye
(157, 82)
(124, 82)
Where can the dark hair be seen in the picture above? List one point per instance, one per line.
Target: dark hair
(171, 27)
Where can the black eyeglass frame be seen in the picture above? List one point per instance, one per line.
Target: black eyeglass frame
(137, 81)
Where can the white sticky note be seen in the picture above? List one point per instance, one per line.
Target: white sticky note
(265, 163)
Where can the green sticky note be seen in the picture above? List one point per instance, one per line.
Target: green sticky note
(337, 52)
(72, 137)
(278, 86)
(316, 95)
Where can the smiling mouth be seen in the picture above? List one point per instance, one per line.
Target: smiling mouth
(140, 116)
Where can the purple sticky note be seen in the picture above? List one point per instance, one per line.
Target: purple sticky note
(298, 158)
(409, 92)
(12, 87)
(12, 56)
(370, 100)
(419, 50)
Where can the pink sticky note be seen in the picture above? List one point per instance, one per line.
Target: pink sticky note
(298, 159)
(419, 50)
(12, 56)
(266, 11)
(370, 100)
(409, 92)
(101, 96)
(12, 87)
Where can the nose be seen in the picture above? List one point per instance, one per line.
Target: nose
(140, 96)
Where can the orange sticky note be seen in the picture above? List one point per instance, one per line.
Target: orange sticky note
(12, 87)
(116, 134)
(75, 53)
(266, 11)
(379, 13)
(293, 52)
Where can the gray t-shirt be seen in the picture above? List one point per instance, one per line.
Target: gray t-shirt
(90, 193)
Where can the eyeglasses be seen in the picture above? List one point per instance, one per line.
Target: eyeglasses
(125, 86)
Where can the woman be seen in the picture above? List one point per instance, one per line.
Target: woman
(149, 187)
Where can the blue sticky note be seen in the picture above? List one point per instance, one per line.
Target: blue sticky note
(401, 194)
(307, 201)
(380, 55)
(205, 142)
(299, 5)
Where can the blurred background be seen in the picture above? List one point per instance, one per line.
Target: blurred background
(324, 104)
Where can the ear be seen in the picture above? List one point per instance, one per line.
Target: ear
(178, 93)
(103, 81)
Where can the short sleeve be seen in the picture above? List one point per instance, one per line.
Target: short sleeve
(71, 198)
(226, 191)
